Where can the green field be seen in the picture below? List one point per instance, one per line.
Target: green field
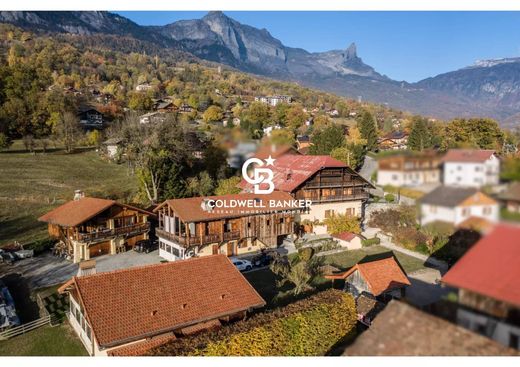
(48, 340)
(32, 184)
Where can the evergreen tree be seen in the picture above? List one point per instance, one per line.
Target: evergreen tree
(324, 141)
(367, 127)
(420, 135)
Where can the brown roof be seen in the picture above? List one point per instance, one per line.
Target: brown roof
(191, 209)
(140, 348)
(512, 192)
(135, 303)
(451, 196)
(468, 155)
(476, 223)
(345, 236)
(275, 151)
(402, 330)
(75, 212)
(380, 275)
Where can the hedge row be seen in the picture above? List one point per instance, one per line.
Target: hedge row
(309, 327)
(371, 241)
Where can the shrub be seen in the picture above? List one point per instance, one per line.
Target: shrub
(309, 327)
(370, 241)
(306, 253)
(339, 223)
(390, 198)
(40, 246)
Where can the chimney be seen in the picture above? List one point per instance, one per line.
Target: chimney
(78, 194)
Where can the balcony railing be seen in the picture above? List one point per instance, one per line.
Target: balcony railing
(197, 240)
(107, 233)
(332, 198)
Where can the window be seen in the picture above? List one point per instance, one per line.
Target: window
(394, 177)
(433, 209)
(487, 210)
(465, 212)
(281, 220)
(459, 168)
(329, 213)
(268, 222)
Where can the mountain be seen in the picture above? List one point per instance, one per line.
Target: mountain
(489, 88)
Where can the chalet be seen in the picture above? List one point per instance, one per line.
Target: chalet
(89, 227)
(395, 140)
(152, 118)
(90, 117)
(303, 142)
(511, 198)
(409, 169)
(112, 147)
(275, 151)
(471, 168)
(164, 105)
(332, 186)
(488, 288)
(456, 204)
(127, 312)
(380, 279)
(185, 108)
(402, 330)
(201, 226)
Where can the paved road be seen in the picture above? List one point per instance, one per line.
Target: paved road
(369, 167)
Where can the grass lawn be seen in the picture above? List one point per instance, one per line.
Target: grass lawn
(32, 184)
(509, 216)
(46, 341)
(264, 281)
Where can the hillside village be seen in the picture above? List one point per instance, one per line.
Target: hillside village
(377, 217)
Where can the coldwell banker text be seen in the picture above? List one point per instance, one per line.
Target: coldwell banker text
(258, 204)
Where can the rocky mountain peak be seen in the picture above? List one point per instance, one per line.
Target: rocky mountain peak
(351, 51)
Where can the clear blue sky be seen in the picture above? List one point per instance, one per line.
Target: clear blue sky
(403, 45)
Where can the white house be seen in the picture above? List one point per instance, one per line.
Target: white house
(456, 204)
(471, 167)
(409, 169)
(269, 129)
(349, 240)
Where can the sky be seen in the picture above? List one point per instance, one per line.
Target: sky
(407, 46)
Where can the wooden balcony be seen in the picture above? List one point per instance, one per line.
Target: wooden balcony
(334, 198)
(186, 241)
(107, 233)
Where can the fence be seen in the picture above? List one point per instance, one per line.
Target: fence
(22, 329)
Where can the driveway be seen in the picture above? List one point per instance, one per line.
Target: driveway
(425, 288)
(46, 270)
(368, 168)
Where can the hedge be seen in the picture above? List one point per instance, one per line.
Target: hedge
(309, 327)
(371, 241)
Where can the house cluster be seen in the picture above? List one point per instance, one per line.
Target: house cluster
(274, 100)
(459, 175)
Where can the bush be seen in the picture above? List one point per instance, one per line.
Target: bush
(40, 246)
(370, 241)
(309, 327)
(306, 253)
(390, 198)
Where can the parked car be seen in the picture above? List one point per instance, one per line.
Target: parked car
(7, 257)
(264, 258)
(242, 265)
(24, 254)
(146, 246)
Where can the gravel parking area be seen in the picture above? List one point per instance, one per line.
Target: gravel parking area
(46, 270)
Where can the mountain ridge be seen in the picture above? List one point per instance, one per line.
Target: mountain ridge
(489, 88)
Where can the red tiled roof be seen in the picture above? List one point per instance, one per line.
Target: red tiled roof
(191, 209)
(468, 155)
(75, 212)
(492, 266)
(290, 171)
(380, 275)
(140, 348)
(135, 303)
(345, 236)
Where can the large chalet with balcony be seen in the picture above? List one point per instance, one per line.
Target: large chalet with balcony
(89, 227)
(226, 224)
(332, 186)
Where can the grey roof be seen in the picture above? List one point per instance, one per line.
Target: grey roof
(448, 196)
(402, 330)
(512, 192)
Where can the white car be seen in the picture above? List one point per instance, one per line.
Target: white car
(242, 265)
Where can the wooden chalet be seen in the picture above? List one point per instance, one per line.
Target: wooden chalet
(89, 227)
(332, 186)
(197, 226)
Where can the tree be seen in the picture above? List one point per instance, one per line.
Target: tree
(324, 141)
(282, 137)
(420, 135)
(340, 223)
(68, 131)
(228, 186)
(511, 169)
(368, 130)
(480, 133)
(295, 116)
(140, 102)
(94, 138)
(5, 141)
(202, 185)
(258, 114)
(352, 155)
(212, 114)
